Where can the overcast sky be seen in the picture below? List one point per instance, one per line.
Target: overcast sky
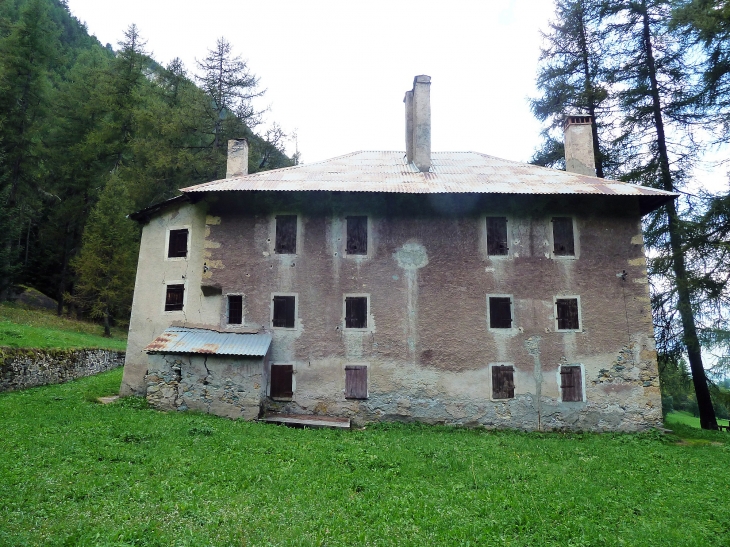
(336, 70)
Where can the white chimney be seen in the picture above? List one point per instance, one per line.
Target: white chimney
(578, 134)
(418, 123)
(237, 158)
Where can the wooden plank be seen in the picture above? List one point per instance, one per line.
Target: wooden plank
(306, 420)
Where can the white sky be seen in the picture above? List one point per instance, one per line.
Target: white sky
(336, 70)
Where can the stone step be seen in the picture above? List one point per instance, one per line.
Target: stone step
(307, 420)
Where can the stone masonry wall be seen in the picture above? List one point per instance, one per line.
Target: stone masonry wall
(225, 386)
(24, 368)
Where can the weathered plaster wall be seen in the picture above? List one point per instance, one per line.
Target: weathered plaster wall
(231, 387)
(154, 272)
(427, 345)
(24, 368)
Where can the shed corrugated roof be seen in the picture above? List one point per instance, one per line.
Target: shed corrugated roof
(451, 172)
(189, 340)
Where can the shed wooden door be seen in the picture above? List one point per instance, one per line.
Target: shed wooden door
(282, 381)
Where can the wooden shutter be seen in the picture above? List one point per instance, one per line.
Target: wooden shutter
(286, 234)
(356, 382)
(356, 312)
(235, 309)
(563, 242)
(567, 313)
(503, 384)
(174, 297)
(178, 245)
(357, 235)
(282, 381)
(284, 311)
(571, 383)
(500, 312)
(497, 236)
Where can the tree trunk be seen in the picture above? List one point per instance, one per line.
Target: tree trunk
(107, 327)
(684, 302)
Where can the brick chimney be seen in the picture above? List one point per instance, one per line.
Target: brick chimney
(418, 123)
(237, 158)
(578, 134)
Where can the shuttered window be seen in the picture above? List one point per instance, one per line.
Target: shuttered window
(356, 382)
(356, 312)
(286, 234)
(500, 312)
(284, 310)
(174, 297)
(503, 384)
(566, 310)
(282, 381)
(235, 309)
(497, 236)
(563, 241)
(357, 235)
(571, 383)
(178, 244)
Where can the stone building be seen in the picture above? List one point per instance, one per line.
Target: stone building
(444, 287)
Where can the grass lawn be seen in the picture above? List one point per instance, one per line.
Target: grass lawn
(686, 418)
(75, 472)
(29, 328)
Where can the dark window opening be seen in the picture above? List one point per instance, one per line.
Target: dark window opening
(286, 234)
(503, 383)
(357, 235)
(571, 383)
(497, 236)
(567, 313)
(500, 312)
(235, 309)
(282, 384)
(178, 244)
(284, 310)
(356, 312)
(563, 241)
(356, 382)
(174, 297)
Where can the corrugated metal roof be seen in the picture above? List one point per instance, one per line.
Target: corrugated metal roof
(451, 172)
(188, 340)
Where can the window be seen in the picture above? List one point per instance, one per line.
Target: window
(500, 312)
(563, 240)
(571, 383)
(282, 381)
(567, 314)
(286, 234)
(497, 236)
(178, 244)
(235, 309)
(503, 383)
(357, 235)
(356, 382)
(284, 312)
(174, 297)
(356, 312)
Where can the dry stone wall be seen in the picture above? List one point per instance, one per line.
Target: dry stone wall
(23, 368)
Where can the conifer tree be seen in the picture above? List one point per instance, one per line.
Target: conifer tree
(655, 98)
(107, 262)
(572, 79)
(26, 55)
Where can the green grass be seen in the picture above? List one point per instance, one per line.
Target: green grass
(29, 328)
(686, 418)
(75, 472)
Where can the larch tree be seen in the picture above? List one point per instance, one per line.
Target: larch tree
(656, 101)
(572, 79)
(26, 55)
(108, 259)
